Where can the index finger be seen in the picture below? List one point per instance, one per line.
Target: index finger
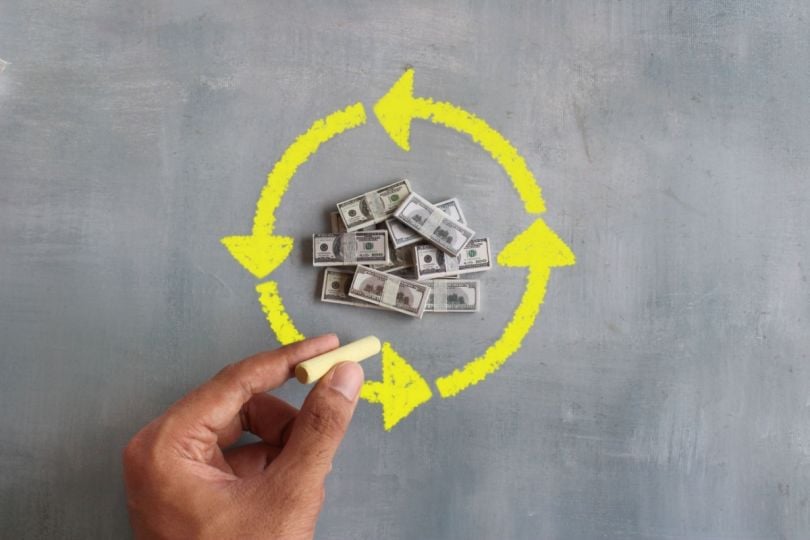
(216, 402)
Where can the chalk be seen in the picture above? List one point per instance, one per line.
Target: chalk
(313, 369)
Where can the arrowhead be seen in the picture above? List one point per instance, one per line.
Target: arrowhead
(400, 392)
(395, 110)
(259, 254)
(536, 246)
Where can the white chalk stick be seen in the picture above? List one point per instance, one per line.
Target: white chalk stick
(313, 369)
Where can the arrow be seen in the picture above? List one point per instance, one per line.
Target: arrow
(396, 109)
(400, 392)
(261, 252)
(538, 248)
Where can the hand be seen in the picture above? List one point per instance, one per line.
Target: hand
(183, 481)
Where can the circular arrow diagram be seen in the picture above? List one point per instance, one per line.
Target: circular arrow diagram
(402, 389)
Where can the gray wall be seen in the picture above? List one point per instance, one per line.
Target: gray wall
(664, 391)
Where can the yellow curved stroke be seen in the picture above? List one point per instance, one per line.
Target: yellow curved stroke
(400, 392)
(261, 252)
(399, 107)
(537, 248)
(273, 306)
(402, 388)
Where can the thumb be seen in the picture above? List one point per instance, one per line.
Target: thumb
(322, 422)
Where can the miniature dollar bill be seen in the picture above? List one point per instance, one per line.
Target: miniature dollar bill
(335, 290)
(401, 235)
(401, 259)
(454, 296)
(351, 248)
(339, 227)
(433, 224)
(431, 262)
(395, 269)
(405, 273)
(373, 207)
(392, 292)
(410, 273)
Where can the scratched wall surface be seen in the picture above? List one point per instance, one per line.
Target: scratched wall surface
(664, 392)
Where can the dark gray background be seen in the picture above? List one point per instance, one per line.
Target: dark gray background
(664, 391)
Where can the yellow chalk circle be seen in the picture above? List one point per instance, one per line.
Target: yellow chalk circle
(313, 369)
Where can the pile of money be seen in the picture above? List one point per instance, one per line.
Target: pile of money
(392, 249)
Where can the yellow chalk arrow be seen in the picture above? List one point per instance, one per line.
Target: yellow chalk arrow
(396, 109)
(538, 248)
(401, 391)
(261, 252)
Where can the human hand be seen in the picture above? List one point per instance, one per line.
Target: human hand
(184, 482)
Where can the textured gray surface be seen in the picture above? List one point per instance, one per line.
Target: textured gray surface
(664, 393)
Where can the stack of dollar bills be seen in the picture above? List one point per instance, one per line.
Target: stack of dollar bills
(392, 249)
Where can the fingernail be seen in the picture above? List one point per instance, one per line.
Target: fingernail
(347, 379)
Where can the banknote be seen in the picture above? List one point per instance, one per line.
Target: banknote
(373, 207)
(454, 296)
(401, 259)
(402, 295)
(431, 262)
(350, 248)
(405, 273)
(409, 272)
(335, 290)
(401, 235)
(338, 226)
(433, 224)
